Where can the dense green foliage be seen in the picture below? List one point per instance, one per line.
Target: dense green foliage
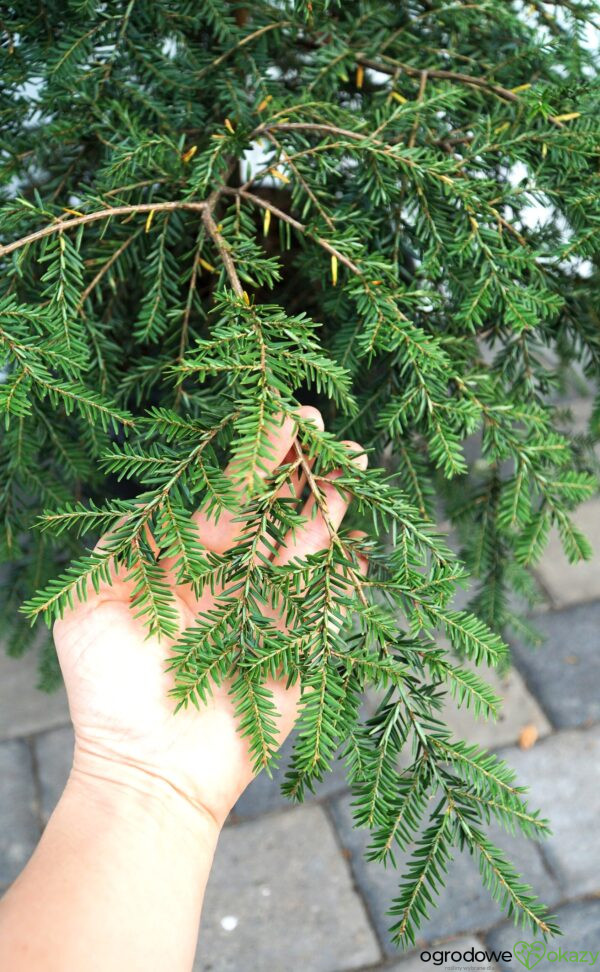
(161, 302)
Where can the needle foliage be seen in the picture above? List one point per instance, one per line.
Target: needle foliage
(165, 296)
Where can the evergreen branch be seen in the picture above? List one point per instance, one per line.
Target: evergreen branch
(469, 689)
(151, 598)
(402, 824)
(354, 576)
(83, 518)
(217, 238)
(257, 713)
(294, 168)
(247, 39)
(483, 770)
(508, 813)
(106, 267)
(470, 635)
(61, 225)
(502, 880)
(58, 595)
(286, 218)
(393, 68)
(73, 394)
(423, 877)
(456, 314)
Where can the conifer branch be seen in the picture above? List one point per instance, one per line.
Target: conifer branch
(298, 175)
(247, 39)
(287, 218)
(106, 267)
(61, 225)
(224, 252)
(393, 68)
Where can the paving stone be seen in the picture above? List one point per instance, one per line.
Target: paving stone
(23, 708)
(580, 923)
(567, 583)
(281, 897)
(462, 946)
(564, 673)
(463, 906)
(19, 828)
(581, 411)
(264, 794)
(563, 774)
(54, 754)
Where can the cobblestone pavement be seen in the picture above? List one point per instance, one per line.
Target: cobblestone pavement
(290, 890)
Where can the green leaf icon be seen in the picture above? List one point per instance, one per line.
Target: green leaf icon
(529, 954)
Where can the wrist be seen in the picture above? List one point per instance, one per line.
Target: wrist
(117, 879)
(134, 793)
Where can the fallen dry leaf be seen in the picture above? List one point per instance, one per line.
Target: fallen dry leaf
(528, 736)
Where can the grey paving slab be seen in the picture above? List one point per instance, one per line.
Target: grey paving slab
(54, 755)
(581, 412)
(563, 774)
(567, 583)
(580, 924)
(19, 826)
(564, 673)
(281, 898)
(23, 708)
(457, 949)
(463, 906)
(264, 793)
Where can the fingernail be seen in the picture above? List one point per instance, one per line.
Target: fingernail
(362, 460)
(313, 415)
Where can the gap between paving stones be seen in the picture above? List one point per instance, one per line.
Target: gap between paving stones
(347, 856)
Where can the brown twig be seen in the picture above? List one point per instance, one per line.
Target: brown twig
(106, 267)
(441, 74)
(137, 185)
(185, 324)
(385, 147)
(60, 225)
(415, 128)
(308, 127)
(245, 40)
(508, 226)
(221, 245)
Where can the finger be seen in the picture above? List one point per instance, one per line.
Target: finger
(218, 536)
(315, 534)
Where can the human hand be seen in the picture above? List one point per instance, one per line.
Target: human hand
(118, 685)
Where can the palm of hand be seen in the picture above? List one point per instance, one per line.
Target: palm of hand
(118, 696)
(118, 685)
